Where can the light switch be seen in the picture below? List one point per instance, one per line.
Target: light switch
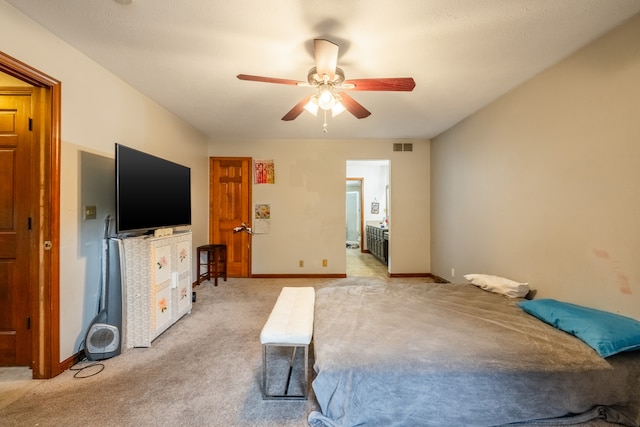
(90, 212)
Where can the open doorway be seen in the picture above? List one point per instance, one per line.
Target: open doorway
(366, 204)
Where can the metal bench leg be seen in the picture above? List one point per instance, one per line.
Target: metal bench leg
(264, 371)
(286, 394)
(306, 371)
(293, 356)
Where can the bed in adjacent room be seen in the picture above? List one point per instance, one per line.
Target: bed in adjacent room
(456, 355)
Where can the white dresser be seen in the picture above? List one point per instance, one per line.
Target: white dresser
(156, 278)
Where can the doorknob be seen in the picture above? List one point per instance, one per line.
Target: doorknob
(243, 227)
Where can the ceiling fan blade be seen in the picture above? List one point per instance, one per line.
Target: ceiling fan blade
(353, 106)
(390, 84)
(267, 79)
(297, 110)
(326, 56)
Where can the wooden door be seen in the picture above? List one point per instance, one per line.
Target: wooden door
(16, 224)
(229, 207)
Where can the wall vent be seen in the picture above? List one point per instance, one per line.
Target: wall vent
(397, 146)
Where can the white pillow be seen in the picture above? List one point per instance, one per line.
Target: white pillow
(499, 285)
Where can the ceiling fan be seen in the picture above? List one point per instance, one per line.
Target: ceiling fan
(329, 82)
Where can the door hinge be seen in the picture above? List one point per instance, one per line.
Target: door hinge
(30, 123)
(28, 322)
(29, 223)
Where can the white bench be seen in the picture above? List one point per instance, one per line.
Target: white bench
(290, 324)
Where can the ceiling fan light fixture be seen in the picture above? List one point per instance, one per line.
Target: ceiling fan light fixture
(312, 106)
(326, 98)
(337, 109)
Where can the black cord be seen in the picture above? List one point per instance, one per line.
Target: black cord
(79, 371)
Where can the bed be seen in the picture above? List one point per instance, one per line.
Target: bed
(456, 355)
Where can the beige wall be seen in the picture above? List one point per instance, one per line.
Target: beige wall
(308, 203)
(98, 110)
(543, 185)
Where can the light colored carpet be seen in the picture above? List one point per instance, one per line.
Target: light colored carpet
(206, 370)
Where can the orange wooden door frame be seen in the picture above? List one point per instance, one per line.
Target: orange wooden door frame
(45, 265)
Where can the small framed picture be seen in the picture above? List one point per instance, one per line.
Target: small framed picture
(264, 172)
(375, 207)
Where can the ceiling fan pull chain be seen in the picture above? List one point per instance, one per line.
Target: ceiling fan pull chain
(324, 126)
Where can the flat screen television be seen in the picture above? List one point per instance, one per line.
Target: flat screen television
(151, 192)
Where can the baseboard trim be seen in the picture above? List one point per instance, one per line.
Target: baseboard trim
(298, 276)
(409, 274)
(434, 277)
(439, 279)
(72, 360)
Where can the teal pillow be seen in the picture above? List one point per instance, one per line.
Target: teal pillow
(607, 333)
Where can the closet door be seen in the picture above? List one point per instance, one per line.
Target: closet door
(229, 207)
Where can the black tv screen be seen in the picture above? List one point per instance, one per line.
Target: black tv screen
(151, 192)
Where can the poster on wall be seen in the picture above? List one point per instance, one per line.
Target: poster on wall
(264, 171)
(262, 218)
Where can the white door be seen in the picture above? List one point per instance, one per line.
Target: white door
(353, 217)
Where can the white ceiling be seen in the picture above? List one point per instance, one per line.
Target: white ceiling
(462, 54)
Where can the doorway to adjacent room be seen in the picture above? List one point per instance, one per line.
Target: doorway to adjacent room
(367, 203)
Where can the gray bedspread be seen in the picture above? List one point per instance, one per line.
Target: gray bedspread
(455, 355)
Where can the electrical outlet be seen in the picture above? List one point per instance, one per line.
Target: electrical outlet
(301, 263)
(453, 272)
(325, 262)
